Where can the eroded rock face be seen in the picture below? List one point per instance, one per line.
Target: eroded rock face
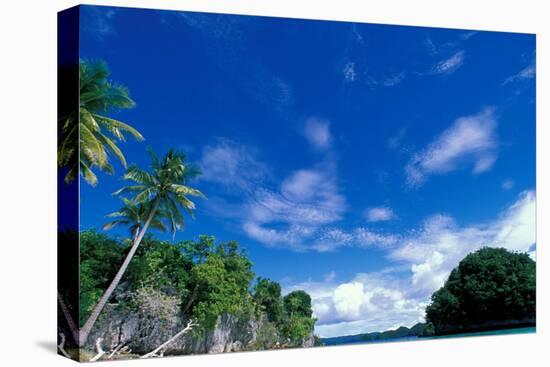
(231, 334)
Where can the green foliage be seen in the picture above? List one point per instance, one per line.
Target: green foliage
(133, 216)
(219, 280)
(100, 257)
(267, 295)
(267, 337)
(202, 279)
(298, 303)
(161, 265)
(491, 286)
(297, 323)
(89, 129)
(297, 328)
(164, 188)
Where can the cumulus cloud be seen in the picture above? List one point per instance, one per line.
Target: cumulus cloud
(379, 214)
(317, 132)
(436, 248)
(368, 302)
(470, 139)
(423, 259)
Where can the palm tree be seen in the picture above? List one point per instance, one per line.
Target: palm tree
(133, 215)
(89, 129)
(164, 189)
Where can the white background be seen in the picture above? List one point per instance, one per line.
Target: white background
(28, 181)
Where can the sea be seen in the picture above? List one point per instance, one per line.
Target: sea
(522, 330)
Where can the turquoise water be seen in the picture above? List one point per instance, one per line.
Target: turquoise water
(523, 330)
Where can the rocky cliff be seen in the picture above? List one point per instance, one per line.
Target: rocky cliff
(231, 334)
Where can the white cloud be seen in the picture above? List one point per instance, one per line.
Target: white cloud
(232, 165)
(529, 72)
(435, 249)
(424, 258)
(379, 214)
(394, 79)
(368, 302)
(295, 215)
(349, 72)
(449, 65)
(388, 80)
(330, 277)
(307, 196)
(317, 132)
(365, 238)
(468, 139)
(508, 184)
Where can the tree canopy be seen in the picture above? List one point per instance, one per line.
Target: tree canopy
(87, 136)
(491, 287)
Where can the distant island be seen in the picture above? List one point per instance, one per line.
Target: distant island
(399, 333)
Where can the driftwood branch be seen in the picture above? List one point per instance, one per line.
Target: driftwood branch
(159, 351)
(99, 349)
(61, 345)
(117, 349)
(70, 321)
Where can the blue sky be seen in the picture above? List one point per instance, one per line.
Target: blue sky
(359, 162)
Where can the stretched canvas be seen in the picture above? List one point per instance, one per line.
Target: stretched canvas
(239, 183)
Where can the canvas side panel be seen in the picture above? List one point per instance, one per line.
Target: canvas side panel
(67, 181)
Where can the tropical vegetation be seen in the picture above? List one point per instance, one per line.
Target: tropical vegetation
(87, 136)
(164, 193)
(490, 288)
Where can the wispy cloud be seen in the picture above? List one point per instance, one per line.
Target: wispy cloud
(228, 41)
(508, 184)
(468, 139)
(293, 213)
(388, 80)
(317, 132)
(379, 214)
(349, 72)
(449, 65)
(529, 72)
(232, 165)
(423, 259)
(98, 21)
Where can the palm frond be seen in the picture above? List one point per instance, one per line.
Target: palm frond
(129, 188)
(186, 190)
(136, 174)
(117, 128)
(87, 173)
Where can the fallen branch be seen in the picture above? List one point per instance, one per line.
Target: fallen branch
(159, 352)
(100, 351)
(61, 345)
(116, 350)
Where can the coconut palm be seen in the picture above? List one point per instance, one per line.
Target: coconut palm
(133, 216)
(163, 189)
(89, 129)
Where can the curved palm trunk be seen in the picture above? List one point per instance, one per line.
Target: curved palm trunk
(85, 331)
